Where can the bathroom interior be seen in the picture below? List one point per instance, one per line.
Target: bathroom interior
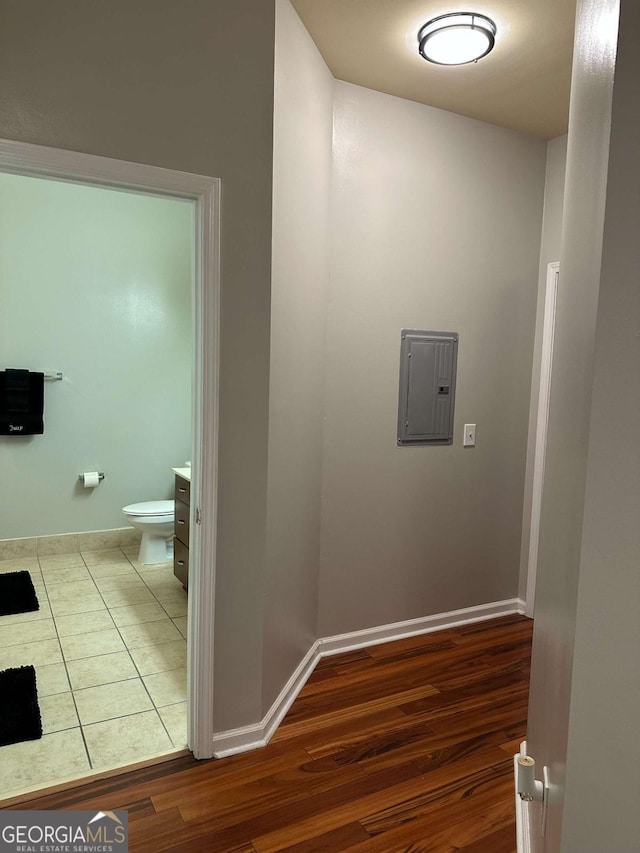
(97, 293)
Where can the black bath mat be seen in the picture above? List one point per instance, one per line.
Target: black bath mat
(19, 709)
(17, 594)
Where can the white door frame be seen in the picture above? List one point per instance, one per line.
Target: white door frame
(36, 160)
(540, 448)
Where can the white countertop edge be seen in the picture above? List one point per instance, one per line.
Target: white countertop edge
(183, 472)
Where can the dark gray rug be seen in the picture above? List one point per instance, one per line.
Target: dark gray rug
(17, 594)
(19, 709)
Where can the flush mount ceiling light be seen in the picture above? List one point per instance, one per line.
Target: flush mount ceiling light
(456, 38)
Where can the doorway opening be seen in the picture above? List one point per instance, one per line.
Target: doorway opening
(133, 330)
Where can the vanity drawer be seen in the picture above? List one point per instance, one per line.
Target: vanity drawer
(182, 522)
(181, 562)
(183, 490)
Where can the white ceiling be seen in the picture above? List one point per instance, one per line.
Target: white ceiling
(522, 84)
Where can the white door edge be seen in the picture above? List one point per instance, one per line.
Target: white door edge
(540, 447)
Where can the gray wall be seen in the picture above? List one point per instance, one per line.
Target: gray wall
(553, 202)
(188, 86)
(303, 125)
(561, 535)
(549, 252)
(436, 224)
(95, 283)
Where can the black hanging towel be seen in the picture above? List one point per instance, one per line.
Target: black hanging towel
(21, 402)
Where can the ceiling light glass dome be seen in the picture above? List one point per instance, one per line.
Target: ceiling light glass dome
(456, 38)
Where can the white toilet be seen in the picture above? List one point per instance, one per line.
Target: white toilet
(155, 520)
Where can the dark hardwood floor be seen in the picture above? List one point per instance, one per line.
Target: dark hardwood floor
(405, 747)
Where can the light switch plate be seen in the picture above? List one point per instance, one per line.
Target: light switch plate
(469, 435)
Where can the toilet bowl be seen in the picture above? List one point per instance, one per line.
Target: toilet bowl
(155, 520)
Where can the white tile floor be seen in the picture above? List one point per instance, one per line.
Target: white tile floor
(110, 651)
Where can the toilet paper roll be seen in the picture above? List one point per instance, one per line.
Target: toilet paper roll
(90, 479)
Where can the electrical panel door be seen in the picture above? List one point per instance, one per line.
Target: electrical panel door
(427, 387)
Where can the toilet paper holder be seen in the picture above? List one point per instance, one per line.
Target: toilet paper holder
(100, 476)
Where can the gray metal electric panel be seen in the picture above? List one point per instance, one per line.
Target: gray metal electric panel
(427, 387)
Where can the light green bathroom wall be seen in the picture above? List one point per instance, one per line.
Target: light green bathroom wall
(95, 283)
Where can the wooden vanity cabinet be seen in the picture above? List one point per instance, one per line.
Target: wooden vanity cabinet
(181, 531)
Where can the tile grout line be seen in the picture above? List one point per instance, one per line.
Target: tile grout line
(30, 570)
(136, 666)
(155, 708)
(156, 597)
(47, 582)
(66, 669)
(108, 609)
(128, 651)
(146, 689)
(123, 717)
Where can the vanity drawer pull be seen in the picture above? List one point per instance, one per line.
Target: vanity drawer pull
(181, 521)
(182, 490)
(181, 559)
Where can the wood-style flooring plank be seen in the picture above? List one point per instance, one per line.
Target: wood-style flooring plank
(501, 841)
(414, 645)
(143, 833)
(344, 728)
(202, 845)
(227, 807)
(449, 825)
(223, 835)
(188, 790)
(443, 711)
(404, 747)
(305, 721)
(337, 839)
(409, 796)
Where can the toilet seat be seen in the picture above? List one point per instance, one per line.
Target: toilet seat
(148, 508)
(154, 520)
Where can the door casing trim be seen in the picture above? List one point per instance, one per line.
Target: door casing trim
(60, 164)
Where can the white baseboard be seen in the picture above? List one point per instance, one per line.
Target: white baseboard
(243, 739)
(253, 737)
(412, 627)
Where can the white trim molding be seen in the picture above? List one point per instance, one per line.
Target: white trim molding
(411, 628)
(40, 161)
(258, 735)
(204, 478)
